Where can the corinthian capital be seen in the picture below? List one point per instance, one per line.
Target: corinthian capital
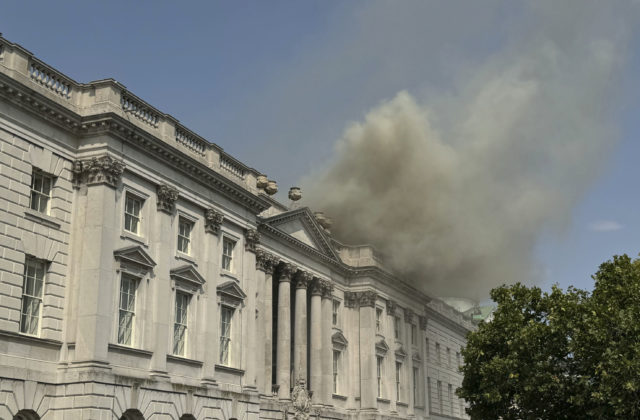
(286, 272)
(212, 220)
(327, 289)
(251, 239)
(303, 279)
(167, 197)
(98, 170)
(265, 261)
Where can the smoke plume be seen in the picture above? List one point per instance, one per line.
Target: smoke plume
(455, 190)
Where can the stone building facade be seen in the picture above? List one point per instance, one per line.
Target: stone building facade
(147, 274)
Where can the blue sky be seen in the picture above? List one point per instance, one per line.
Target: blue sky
(275, 84)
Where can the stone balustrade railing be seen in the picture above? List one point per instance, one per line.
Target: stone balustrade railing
(50, 79)
(108, 95)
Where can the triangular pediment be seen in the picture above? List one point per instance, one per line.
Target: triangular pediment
(135, 255)
(381, 346)
(339, 340)
(187, 273)
(231, 290)
(416, 357)
(400, 353)
(302, 225)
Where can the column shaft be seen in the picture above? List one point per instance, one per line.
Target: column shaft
(316, 342)
(283, 375)
(300, 328)
(327, 349)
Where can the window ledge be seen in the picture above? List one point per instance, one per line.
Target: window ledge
(339, 397)
(31, 338)
(130, 350)
(420, 407)
(184, 360)
(230, 369)
(133, 237)
(226, 273)
(402, 404)
(383, 400)
(42, 218)
(186, 257)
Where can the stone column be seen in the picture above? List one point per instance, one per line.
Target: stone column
(368, 374)
(250, 337)
(327, 348)
(302, 280)
(161, 321)
(390, 362)
(283, 374)
(264, 267)
(98, 179)
(316, 340)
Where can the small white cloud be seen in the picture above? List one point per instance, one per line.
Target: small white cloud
(605, 226)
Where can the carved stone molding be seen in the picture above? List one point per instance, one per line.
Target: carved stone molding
(391, 307)
(423, 322)
(167, 197)
(301, 400)
(98, 170)
(316, 287)
(303, 278)
(212, 220)
(327, 289)
(408, 315)
(350, 299)
(286, 272)
(251, 240)
(265, 261)
(368, 298)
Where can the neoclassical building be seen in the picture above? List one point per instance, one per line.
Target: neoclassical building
(147, 274)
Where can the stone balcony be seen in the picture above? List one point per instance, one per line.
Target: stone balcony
(109, 96)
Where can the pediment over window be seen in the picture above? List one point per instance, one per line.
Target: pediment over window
(134, 260)
(301, 225)
(381, 347)
(401, 354)
(187, 274)
(416, 357)
(339, 341)
(231, 293)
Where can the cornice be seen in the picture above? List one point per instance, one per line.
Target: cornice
(448, 322)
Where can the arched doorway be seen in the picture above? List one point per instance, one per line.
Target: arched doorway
(132, 414)
(26, 415)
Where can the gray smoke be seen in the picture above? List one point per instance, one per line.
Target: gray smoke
(456, 189)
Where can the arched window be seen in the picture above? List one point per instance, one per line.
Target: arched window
(26, 415)
(132, 414)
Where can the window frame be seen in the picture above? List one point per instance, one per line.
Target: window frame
(416, 386)
(380, 374)
(135, 281)
(440, 402)
(181, 325)
(336, 361)
(128, 195)
(397, 333)
(398, 381)
(35, 263)
(226, 341)
(185, 221)
(379, 319)
(335, 313)
(414, 334)
(35, 173)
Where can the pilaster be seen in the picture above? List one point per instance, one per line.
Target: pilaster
(316, 340)
(302, 280)
(327, 355)
(283, 374)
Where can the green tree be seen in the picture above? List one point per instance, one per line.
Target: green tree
(559, 355)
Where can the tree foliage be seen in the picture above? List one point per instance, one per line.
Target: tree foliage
(559, 355)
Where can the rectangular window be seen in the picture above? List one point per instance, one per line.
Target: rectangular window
(227, 253)
(439, 386)
(40, 191)
(379, 360)
(32, 290)
(378, 319)
(396, 327)
(184, 236)
(132, 208)
(334, 315)
(180, 324)
(398, 367)
(416, 377)
(127, 310)
(458, 359)
(428, 351)
(438, 353)
(450, 394)
(336, 366)
(448, 357)
(226, 314)
(414, 335)
(429, 392)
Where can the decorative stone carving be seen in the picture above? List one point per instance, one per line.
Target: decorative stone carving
(391, 307)
(301, 400)
(265, 261)
(408, 315)
(368, 298)
(316, 287)
(271, 187)
(303, 279)
(295, 193)
(350, 299)
(99, 170)
(423, 322)
(286, 272)
(167, 197)
(212, 220)
(251, 239)
(261, 182)
(327, 289)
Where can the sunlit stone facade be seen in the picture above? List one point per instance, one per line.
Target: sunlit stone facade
(147, 274)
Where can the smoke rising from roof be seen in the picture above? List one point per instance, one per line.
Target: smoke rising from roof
(455, 189)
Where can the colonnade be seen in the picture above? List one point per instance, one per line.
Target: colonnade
(319, 335)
